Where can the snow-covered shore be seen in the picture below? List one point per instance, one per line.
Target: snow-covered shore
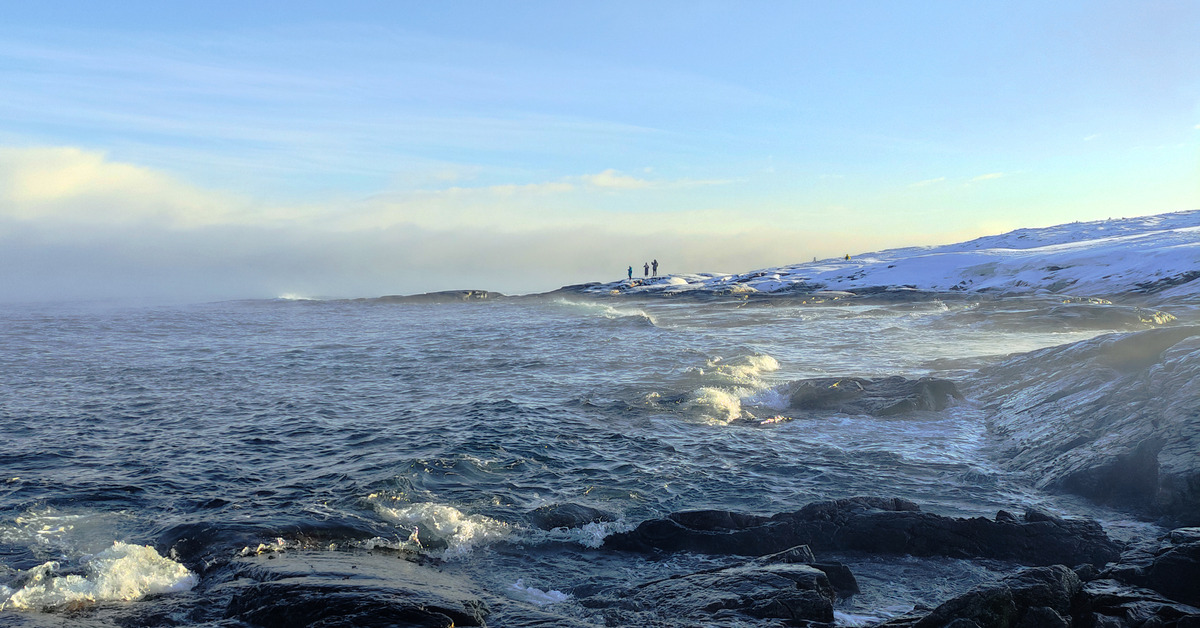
(1150, 255)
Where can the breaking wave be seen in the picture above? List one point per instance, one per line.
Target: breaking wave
(441, 527)
(608, 312)
(122, 572)
(725, 385)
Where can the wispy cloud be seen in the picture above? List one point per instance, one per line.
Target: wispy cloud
(1091, 137)
(927, 182)
(611, 179)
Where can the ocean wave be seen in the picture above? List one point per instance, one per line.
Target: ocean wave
(121, 572)
(608, 312)
(717, 405)
(444, 528)
(744, 370)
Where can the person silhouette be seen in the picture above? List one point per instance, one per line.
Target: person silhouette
(654, 268)
(646, 269)
(630, 271)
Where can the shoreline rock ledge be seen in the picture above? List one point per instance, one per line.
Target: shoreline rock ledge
(1115, 419)
(876, 525)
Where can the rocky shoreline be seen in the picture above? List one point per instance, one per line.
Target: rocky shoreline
(1063, 573)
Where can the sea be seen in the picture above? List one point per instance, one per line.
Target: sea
(143, 447)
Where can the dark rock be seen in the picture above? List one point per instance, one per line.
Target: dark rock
(1086, 572)
(840, 576)
(1043, 617)
(880, 397)
(1040, 597)
(789, 591)
(335, 589)
(1133, 606)
(1170, 567)
(1053, 587)
(1113, 418)
(567, 516)
(984, 607)
(1053, 597)
(872, 524)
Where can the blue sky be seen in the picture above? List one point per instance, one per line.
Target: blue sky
(220, 150)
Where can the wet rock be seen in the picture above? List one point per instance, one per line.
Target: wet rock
(840, 576)
(1115, 419)
(336, 589)
(1037, 597)
(1110, 603)
(788, 586)
(792, 592)
(878, 525)
(1054, 597)
(567, 515)
(879, 397)
(1170, 566)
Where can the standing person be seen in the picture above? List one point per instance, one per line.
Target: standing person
(646, 269)
(630, 271)
(654, 268)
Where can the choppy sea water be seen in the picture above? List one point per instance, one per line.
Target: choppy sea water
(278, 425)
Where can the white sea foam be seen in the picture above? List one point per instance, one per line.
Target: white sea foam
(588, 535)
(718, 405)
(609, 312)
(439, 524)
(744, 370)
(847, 619)
(121, 572)
(728, 385)
(538, 596)
(278, 545)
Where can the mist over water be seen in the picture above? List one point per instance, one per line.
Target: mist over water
(260, 426)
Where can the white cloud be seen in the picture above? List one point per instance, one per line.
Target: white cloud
(611, 179)
(927, 182)
(70, 185)
(1091, 137)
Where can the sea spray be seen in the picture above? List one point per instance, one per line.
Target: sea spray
(122, 572)
(444, 527)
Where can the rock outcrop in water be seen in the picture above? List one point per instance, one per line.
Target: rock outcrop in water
(789, 586)
(876, 397)
(567, 515)
(1152, 586)
(1115, 419)
(325, 589)
(877, 525)
(1170, 566)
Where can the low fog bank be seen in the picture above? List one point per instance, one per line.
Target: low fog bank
(217, 263)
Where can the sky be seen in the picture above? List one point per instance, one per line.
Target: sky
(203, 151)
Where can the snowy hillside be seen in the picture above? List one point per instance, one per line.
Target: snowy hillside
(1157, 255)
